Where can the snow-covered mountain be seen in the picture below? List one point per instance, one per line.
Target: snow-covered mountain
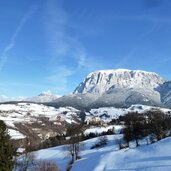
(119, 88)
(43, 97)
(105, 80)
(165, 91)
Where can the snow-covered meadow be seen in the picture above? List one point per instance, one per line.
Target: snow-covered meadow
(151, 157)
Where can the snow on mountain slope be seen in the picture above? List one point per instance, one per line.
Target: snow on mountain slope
(165, 91)
(105, 80)
(79, 101)
(119, 88)
(43, 97)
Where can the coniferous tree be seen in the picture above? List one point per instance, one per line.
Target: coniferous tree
(6, 150)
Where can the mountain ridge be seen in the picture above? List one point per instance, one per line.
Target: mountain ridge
(102, 80)
(119, 88)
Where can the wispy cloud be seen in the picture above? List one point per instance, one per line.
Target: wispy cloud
(11, 44)
(125, 60)
(62, 44)
(69, 55)
(59, 77)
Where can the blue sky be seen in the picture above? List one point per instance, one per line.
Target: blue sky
(52, 44)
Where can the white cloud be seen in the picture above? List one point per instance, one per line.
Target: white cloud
(63, 47)
(10, 46)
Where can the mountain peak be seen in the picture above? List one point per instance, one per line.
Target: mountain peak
(103, 80)
(121, 70)
(46, 96)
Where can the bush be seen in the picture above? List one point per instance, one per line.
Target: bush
(101, 142)
(45, 166)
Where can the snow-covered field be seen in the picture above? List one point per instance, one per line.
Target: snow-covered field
(144, 158)
(30, 113)
(114, 113)
(152, 157)
(24, 111)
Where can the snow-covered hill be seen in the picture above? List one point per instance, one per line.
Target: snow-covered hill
(106, 114)
(145, 158)
(36, 120)
(156, 156)
(43, 97)
(45, 121)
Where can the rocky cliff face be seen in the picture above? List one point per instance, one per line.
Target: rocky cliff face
(119, 88)
(106, 80)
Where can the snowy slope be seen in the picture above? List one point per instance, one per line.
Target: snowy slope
(59, 155)
(23, 112)
(43, 97)
(108, 113)
(145, 158)
(37, 117)
(152, 157)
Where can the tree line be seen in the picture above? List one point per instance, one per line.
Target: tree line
(152, 125)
